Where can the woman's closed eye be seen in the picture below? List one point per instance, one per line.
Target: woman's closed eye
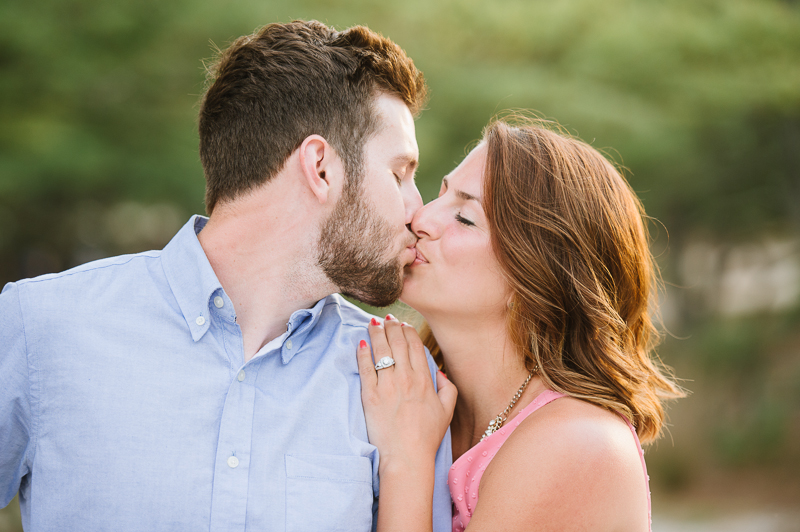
(463, 220)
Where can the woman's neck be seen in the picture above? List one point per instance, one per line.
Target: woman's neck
(487, 370)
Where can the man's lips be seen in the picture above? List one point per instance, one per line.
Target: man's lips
(411, 254)
(420, 258)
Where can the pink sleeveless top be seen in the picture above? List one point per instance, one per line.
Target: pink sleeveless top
(465, 475)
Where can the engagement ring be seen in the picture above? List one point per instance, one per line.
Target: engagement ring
(384, 363)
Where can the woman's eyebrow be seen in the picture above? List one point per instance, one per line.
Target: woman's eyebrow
(461, 194)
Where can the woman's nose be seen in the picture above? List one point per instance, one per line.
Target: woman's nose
(424, 221)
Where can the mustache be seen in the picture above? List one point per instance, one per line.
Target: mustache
(411, 239)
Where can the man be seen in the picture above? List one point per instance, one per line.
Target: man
(213, 385)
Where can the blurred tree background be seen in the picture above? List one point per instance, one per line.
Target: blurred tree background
(698, 99)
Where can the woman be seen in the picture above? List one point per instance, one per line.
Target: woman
(534, 276)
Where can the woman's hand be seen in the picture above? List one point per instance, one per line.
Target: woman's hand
(406, 416)
(406, 421)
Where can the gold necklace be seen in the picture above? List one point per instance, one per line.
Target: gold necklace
(502, 417)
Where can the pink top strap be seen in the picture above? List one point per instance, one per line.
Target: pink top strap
(465, 475)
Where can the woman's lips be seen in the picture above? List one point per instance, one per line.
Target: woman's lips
(420, 259)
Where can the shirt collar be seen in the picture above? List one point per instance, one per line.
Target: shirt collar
(190, 276)
(301, 323)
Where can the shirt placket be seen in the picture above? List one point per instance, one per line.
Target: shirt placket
(232, 463)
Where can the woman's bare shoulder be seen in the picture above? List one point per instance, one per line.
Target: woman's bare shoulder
(572, 464)
(577, 424)
(575, 436)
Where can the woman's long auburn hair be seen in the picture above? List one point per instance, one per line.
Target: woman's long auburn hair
(568, 233)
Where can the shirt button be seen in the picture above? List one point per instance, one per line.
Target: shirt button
(218, 302)
(241, 377)
(200, 320)
(233, 462)
(289, 344)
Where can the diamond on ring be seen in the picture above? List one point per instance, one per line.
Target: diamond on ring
(384, 363)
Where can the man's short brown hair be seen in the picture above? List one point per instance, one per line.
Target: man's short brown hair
(270, 90)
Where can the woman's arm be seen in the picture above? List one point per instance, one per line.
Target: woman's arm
(406, 420)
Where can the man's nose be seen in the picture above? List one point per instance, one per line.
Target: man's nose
(413, 203)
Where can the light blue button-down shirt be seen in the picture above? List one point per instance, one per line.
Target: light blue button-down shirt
(125, 404)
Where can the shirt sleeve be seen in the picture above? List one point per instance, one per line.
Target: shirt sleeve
(442, 505)
(15, 403)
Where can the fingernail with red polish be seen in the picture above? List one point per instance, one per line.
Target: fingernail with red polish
(373, 321)
(442, 374)
(389, 317)
(362, 344)
(405, 324)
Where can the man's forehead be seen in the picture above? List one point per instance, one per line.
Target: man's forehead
(395, 131)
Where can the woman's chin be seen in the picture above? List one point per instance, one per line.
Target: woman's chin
(418, 302)
(410, 296)
(404, 299)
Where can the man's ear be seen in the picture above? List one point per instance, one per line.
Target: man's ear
(320, 166)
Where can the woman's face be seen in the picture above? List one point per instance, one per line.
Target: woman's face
(456, 271)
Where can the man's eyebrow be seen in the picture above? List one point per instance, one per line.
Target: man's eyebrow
(461, 194)
(405, 160)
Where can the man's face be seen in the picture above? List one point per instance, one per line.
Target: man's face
(365, 243)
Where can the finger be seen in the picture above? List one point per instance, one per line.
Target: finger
(397, 342)
(366, 369)
(416, 349)
(380, 345)
(447, 393)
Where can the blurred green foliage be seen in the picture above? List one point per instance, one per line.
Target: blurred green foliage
(742, 418)
(698, 99)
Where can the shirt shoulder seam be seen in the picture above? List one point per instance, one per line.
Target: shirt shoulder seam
(34, 399)
(333, 301)
(354, 325)
(70, 273)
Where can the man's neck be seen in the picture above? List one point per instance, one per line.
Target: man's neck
(263, 253)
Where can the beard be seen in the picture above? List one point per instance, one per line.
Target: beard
(351, 246)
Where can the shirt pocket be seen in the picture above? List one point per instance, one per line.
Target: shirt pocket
(327, 492)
